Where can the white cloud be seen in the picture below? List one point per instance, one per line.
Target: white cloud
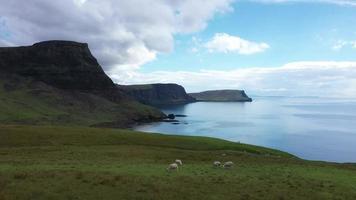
(194, 50)
(193, 15)
(340, 44)
(226, 43)
(300, 78)
(120, 33)
(80, 2)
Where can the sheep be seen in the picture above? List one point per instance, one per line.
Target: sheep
(216, 163)
(179, 162)
(172, 167)
(228, 165)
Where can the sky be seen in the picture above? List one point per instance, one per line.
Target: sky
(266, 47)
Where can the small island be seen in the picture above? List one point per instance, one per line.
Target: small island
(222, 96)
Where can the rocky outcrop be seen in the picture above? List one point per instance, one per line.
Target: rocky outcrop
(157, 94)
(222, 95)
(63, 64)
(70, 71)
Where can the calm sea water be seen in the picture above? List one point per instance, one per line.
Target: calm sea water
(310, 128)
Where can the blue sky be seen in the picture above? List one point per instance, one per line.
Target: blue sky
(294, 31)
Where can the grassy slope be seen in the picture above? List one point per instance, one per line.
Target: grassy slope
(28, 102)
(87, 163)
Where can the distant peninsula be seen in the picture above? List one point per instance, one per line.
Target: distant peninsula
(157, 94)
(222, 96)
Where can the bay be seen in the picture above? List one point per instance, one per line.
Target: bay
(309, 127)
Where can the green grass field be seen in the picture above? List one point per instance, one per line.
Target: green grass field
(44, 162)
(24, 101)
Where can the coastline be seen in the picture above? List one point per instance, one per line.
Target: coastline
(277, 126)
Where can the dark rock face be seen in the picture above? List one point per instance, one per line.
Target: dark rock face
(63, 64)
(222, 95)
(69, 70)
(171, 116)
(157, 94)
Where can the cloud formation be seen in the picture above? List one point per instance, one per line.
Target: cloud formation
(299, 78)
(122, 34)
(223, 42)
(340, 44)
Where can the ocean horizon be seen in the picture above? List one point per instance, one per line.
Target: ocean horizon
(312, 128)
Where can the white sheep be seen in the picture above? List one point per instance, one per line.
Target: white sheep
(216, 163)
(228, 165)
(172, 167)
(179, 162)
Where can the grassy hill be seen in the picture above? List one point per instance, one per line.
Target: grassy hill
(25, 101)
(52, 162)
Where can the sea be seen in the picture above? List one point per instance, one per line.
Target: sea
(311, 128)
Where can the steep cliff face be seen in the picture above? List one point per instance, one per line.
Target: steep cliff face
(63, 64)
(222, 95)
(157, 94)
(64, 80)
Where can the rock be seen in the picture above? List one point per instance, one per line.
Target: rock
(171, 116)
(157, 94)
(181, 115)
(222, 96)
(63, 64)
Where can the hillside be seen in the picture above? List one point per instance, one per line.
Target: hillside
(222, 95)
(157, 94)
(91, 163)
(60, 82)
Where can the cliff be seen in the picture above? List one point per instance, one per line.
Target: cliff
(222, 95)
(157, 94)
(63, 64)
(61, 82)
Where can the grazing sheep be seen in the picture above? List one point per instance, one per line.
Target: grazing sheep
(179, 162)
(172, 167)
(216, 163)
(228, 165)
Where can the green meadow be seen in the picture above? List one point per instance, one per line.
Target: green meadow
(56, 162)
